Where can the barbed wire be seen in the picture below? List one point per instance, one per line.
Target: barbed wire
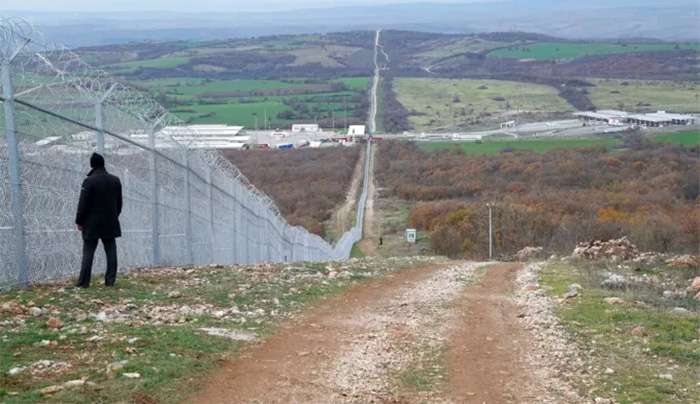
(184, 205)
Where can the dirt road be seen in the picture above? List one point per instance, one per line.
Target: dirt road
(369, 343)
(370, 238)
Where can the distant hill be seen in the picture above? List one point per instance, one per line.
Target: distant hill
(595, 19)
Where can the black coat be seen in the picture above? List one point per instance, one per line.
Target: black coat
(100, 205)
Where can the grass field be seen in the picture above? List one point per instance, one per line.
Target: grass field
(440, 104)
(160, 63)
(539, 145)
(147, 340)
(645, 95)
(247, 102)
(657, 363)
(565, 50)
(684, 138)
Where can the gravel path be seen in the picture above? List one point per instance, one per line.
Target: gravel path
(349, 347)
(499, 339)
(550, 352)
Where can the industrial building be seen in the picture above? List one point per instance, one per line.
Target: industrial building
(357, 130)
(305, 128)
(660, 119)
(657, 119)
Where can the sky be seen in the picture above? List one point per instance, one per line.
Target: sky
(187, 5)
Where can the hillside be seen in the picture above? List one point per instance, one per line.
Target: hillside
(277, 80)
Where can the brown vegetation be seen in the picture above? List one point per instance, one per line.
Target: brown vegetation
(306, 184)
(649, 193)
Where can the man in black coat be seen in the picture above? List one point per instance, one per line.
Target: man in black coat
(98, 219)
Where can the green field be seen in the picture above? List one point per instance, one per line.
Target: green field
(538, 145)
(248, 102)
(441, 104)
(160, 63)
(684, 138)
(645, 95)
(566, 50)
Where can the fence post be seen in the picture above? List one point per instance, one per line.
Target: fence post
(188, 216)
(17, 199)
(99, 120)
(210, 197)
(268, 239)
(259, 231)
(235, 223)
(155, 196)
(246, 237)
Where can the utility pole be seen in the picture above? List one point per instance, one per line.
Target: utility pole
(490, 206)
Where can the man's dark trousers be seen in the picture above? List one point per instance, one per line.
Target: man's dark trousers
(89, 247)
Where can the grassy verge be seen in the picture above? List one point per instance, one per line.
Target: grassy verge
(683, 138)
(425, 373)
(653, 354)
(393, 214)
(143, 341)
(491, 147)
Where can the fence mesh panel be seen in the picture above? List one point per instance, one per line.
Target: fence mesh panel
(182, 205)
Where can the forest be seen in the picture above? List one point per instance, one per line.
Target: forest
(306, 184)
(648, 192)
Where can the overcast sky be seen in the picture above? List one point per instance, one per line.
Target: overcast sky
(193, 6)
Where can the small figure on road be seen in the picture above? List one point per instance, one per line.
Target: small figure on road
(98, 219)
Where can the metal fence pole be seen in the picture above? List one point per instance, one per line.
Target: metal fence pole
(235, 223)
(268, 239)
(246, 237)
(188, 207)
(210, 198)
(259, 233)
(17, 199)
(155, 196)
(99, 119)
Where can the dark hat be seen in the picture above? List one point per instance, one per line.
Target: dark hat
(97, 161)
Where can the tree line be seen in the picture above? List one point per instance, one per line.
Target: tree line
(647, 191)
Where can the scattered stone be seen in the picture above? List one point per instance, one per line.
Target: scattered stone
(684, 262)
(616, 250)
(235, 335)
(614, 281)
(609, 371)
(175, 294)
(674, 294)
(133, 375)
(666, 376)
(614, 300)
(101, 316)
(116, 366)
(48, 343)
(16, 370)
(44, 366)
(695, 287)
(680, 311)
(54, 323)
(639, 331)
(601, 400)
(529, 253)
(36, 311)
(74, 383)
(51, 390)
(572, 291)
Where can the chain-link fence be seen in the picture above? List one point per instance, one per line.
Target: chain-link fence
(182, 205)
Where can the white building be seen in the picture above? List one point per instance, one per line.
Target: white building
(618, 118)
(609, 116)
(305, 128)
(356, 130)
